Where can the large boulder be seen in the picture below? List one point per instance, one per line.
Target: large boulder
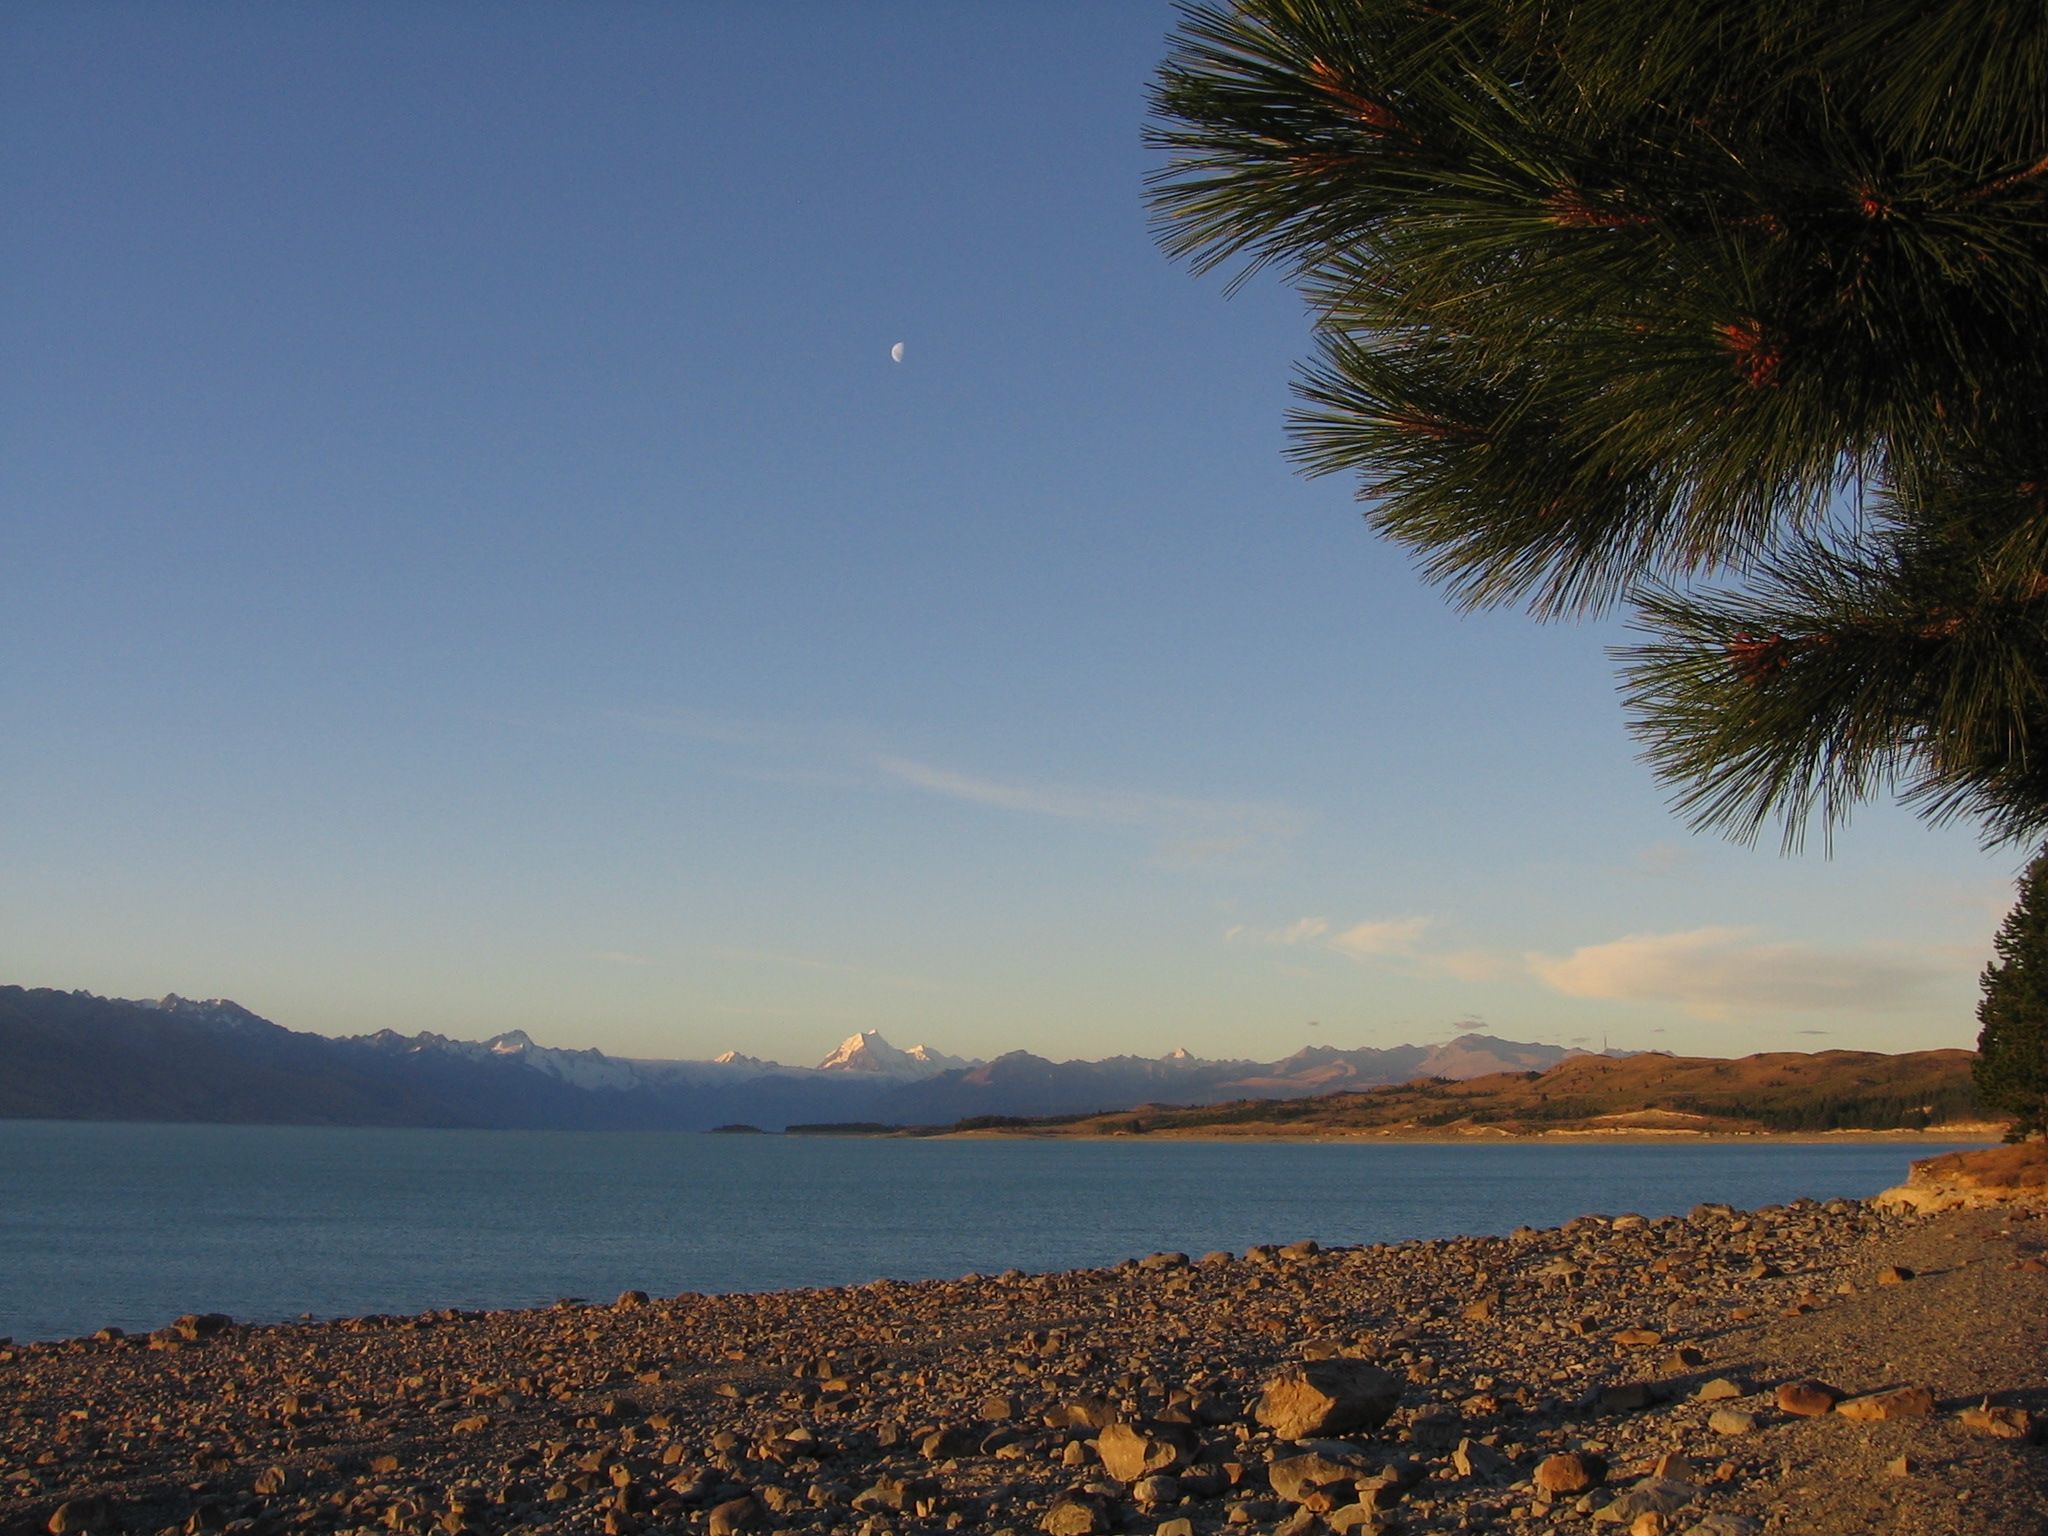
(1898, 1403)
(1075, 1514)
(734, 1515)
(951, 1441)
(1327, 1397)
(1569, 1472)
(2005, 1423)
(1653, 1495)
(1807, 1399)
(1089, 1413)
(1294, 1478)
(90, 1514)
(1130, 1452)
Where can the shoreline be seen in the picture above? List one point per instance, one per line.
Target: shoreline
(1969, 1132)
(989, 1403)
(1629, 1136)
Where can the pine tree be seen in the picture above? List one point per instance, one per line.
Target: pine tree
(2011, 1070)
(1736, 313)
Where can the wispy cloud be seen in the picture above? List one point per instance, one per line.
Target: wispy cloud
(1191, 830)
(1470, 964)
(1187, 831)
(1712, 972)
(717, 730)
(1070, 803)
(617, 957)
(1303, 930)
(1396, 940)
(813, 754)
(1660, 861)
(1395, 936)
(1202, 852)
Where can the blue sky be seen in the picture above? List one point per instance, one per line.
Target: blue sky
(472, 563)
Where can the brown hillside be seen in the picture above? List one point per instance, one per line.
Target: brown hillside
(1780, 1091)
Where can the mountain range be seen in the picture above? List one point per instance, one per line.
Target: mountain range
(76, 1056)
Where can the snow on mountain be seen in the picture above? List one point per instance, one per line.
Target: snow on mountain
(869, 1061)
(870, 1055)
(938, 1061)
(587, 1068)
(211, 1010)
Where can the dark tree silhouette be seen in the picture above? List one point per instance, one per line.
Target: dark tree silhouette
(2012, 1047)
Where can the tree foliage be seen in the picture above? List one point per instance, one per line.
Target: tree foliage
(2012, 1046)
(1735, 313)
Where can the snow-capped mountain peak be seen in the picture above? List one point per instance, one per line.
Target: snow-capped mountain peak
(869, 1054)
(864, 1052)
(740, 1059)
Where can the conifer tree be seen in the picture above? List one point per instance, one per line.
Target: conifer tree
(1735, 313)
(2011, 1069)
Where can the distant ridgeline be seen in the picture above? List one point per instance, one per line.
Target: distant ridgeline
(74, 1056)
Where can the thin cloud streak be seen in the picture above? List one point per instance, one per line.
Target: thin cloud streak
(1192, 832)
(1398, 936)
(1393, 943)
(1713, 972)
(791, 737)
(1471, 964)
(1068, 803)
(1303, 930)
(1661, 861)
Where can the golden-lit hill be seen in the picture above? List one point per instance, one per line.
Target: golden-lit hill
(1778, 1092)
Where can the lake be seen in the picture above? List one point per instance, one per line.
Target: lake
(134, 1224)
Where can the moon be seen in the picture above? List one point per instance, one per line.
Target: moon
(896, 353)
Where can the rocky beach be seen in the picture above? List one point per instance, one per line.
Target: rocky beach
(1810, 1368)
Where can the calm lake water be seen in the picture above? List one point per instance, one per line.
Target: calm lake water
(134, 1224)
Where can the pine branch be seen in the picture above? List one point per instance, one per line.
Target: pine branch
(1845, 676)
(1613, 298)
